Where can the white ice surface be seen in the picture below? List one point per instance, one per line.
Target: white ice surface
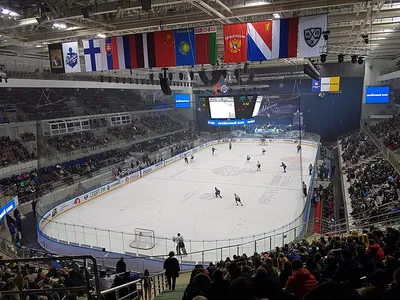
(180, 198)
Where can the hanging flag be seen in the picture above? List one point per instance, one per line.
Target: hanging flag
(284, 38)
(185, 46)
(164, 48)
(92, 55)
(71, 57)
(111, 51)
(259, 41)
(56, 58)
(235, 43)
(310, 35)
(149, 54)
(206, 45)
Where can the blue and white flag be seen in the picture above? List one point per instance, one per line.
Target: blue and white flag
(94, 56)
(71, 57)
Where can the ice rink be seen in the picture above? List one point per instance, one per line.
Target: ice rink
(180, 198)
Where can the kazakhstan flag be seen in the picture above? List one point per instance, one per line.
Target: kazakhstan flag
(185, 48)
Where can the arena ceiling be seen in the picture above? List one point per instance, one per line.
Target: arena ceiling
(30, 25)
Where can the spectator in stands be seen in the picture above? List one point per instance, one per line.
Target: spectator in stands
(105, 281)
(349, 269)
(301, 281)
(375, 251)
(121, 266)
(219, 286)
(266, 285)
(285, 274)
(171, 267)
(394, 291)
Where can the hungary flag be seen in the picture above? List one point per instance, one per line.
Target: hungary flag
(206, 45)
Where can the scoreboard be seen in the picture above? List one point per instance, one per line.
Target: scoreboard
(230, 106)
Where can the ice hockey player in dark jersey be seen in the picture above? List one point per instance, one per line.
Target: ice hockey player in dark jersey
(230, 146)
(298, 148)
(217, 193)
(284, 167)
(237, 200)
(213, 150)
(258, 165)
(186, 159)
(192, 158)
(263, 151)
(248, 159)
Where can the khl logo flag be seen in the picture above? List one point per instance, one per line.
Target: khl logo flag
(310, 35)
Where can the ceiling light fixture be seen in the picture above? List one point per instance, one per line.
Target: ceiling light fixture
(101, 35)
(59, 25)
(277, 16)
(5, 11)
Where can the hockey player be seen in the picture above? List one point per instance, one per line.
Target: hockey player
(304, 189)
(248, 159)
(180, 245)
(186, 159)
(310, 168)
(263, 151)
(217, 193)
(213, 150)
(230, 146)
(258, 165)
(298, 148)
(237, 200)
(192, 158)
(284, 167)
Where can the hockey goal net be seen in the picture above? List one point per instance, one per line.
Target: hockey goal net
(144, 239)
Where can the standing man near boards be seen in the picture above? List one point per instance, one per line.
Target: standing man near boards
(171, 267)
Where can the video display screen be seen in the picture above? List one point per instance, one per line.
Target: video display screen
(182, 101)
(377, 94)
(222, 107)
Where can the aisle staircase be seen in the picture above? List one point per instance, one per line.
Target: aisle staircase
(181, 284)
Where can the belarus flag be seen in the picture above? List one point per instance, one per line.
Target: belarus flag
(259, 41)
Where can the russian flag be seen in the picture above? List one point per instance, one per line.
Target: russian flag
(259, 41)
(284, 38)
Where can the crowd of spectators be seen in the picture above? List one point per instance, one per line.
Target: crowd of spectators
(356, 147)
(373, 184)
(382, 128)
(128, 132)
(325, 194)
(179, 141)
(13, 152)
(357, 266)
(22, 278)
(34, 184)
(161, 124)
(84, 140)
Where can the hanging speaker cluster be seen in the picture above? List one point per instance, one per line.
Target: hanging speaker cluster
(164, 83)
(215, 77)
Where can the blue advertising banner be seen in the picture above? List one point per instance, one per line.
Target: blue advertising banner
(316, 86)
(231, 122)
(8, 207)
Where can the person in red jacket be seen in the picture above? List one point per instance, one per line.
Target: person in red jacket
(375, 251)
(301, 281)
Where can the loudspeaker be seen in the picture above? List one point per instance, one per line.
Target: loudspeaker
(146, 4)
(165, 86)
(85, 12)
